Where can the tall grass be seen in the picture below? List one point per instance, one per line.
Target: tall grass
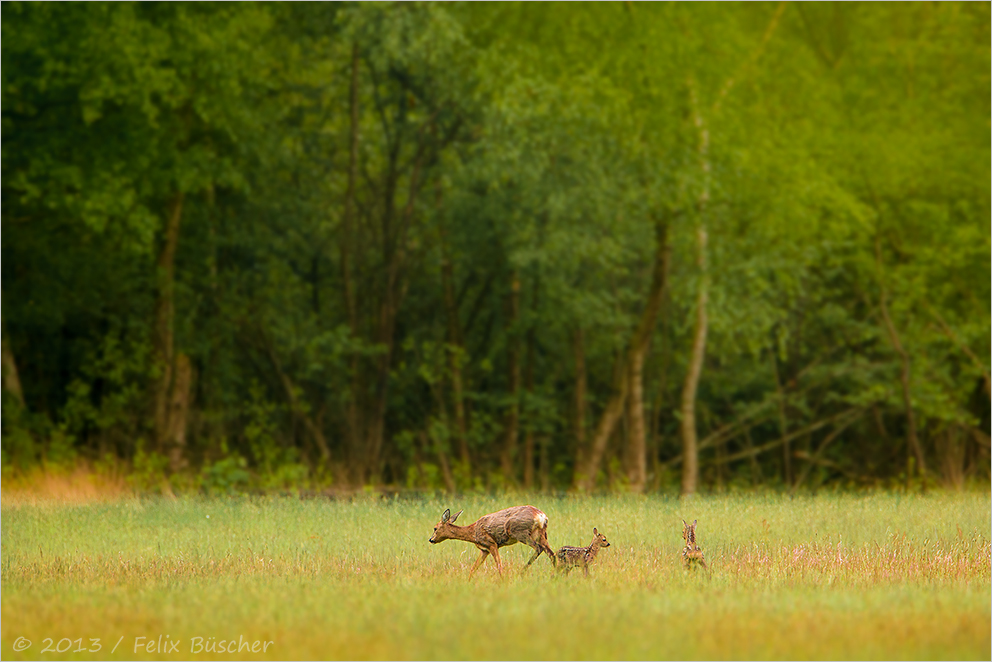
(841, 576)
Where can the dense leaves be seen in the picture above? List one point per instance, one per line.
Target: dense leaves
(460, 246)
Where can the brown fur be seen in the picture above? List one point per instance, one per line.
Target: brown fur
(506, 527)
(691, 553)
(572, 557)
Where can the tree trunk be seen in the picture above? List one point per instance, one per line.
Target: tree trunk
(529, 389)
(635, 453)
(376, 422)
(512, 429)
(690, 451)
(783, 424)
(656, 438)
(11, 378)
(355, 432)
(904, 375)
(543, 466)
(179, 404)
(721, 452)
(442, 460)
(585, 476)
(455, 354)
(162, 333)
(298, 409)
(755, 466)
(690, 458)
(633, 360)
(394, 258)
(579, 351)
(347, 222)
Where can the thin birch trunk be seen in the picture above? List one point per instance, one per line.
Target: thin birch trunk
(690, 454)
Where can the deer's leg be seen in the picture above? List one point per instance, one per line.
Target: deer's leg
(537, 552)
(542, 542)
(538, 540)
(494, 550)
(585, 568)
(485, 553)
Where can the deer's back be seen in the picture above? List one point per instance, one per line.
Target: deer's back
(693, 555)
(573, 555)
(511, 525)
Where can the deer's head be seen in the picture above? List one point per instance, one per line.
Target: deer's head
(442, 530)
(600, 538)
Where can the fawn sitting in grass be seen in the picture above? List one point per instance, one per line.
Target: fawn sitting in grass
(691, 554)
(571, 557)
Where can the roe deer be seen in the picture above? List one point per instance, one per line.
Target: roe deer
(571, 557)
(691, 554)
(524, 524)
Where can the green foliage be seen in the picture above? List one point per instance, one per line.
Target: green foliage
(277, 466)
(511, 164)
(148, 469)
(227, 475)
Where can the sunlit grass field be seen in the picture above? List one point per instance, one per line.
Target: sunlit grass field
(883, 576)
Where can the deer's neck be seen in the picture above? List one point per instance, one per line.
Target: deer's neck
(466, 533)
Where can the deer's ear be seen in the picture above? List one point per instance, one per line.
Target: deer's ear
(684, 524)
(594, 531)
(694, 523)
(456, 516)
(446, 515)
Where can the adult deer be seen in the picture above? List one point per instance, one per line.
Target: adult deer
(524, 524)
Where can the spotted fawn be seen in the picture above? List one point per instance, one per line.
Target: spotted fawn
(691, 553)
(571, 557)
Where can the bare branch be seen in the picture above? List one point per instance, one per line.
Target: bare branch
(730, 82)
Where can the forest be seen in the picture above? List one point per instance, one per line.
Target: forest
(633, 247)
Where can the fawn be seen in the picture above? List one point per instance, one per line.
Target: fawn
(571, 557)
(524, 524)
(691, 554)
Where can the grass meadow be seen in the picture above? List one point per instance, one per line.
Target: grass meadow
(879, 576)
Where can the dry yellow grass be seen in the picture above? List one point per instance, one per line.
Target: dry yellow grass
(78, 485)
(834, 577)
